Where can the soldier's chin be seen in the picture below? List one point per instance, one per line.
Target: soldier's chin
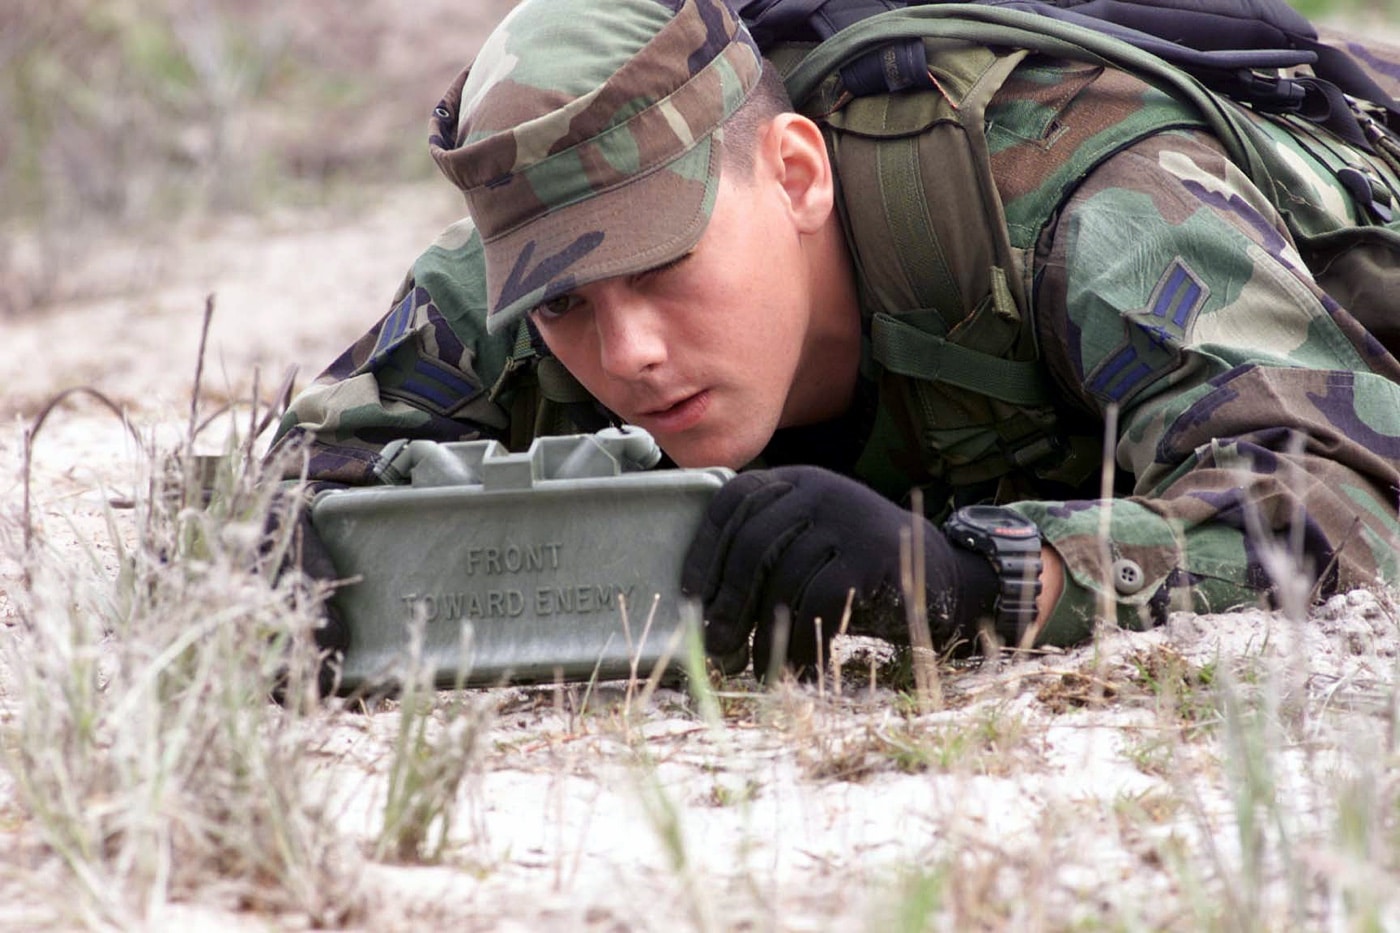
(723, 450)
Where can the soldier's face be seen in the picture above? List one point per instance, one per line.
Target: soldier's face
(703, 352)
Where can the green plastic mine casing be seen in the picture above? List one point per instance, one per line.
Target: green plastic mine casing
(536, 554)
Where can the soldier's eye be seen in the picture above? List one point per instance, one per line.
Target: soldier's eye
(554, 308)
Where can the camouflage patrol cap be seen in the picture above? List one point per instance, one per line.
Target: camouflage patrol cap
(583, 137)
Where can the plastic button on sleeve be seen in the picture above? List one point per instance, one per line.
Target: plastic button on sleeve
(1128, 577)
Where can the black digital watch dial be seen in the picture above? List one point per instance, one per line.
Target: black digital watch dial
(1012, 543)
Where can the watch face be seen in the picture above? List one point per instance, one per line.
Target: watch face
(999, 521)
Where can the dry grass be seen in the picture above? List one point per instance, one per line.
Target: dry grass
(146, 758)
(1189, 778)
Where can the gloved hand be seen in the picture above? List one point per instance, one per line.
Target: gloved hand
(802, 537)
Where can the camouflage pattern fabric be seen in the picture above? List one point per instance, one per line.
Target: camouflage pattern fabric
(570, 139)
(1258, 424)
(424, 371)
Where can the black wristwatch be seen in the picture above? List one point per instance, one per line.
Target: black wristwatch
(1012, 543)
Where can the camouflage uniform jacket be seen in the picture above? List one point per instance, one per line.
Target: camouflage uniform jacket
(1257, 424)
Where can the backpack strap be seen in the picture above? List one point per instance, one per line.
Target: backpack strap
(904, 348)
(888, 146)
(543, 398)
(994, 26)
(943, 264)
(897, 66)
(942, 287)
(1245, 142)
(1238, 47)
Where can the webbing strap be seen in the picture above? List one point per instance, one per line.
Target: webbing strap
(1342, 70)
(916, 220)
(895, 67)
(906, 208)
(904, 349)
(986, 25)
(557, 384)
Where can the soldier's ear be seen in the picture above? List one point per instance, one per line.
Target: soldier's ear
(795, 154)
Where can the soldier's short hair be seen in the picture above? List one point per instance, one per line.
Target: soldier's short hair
(743, 130)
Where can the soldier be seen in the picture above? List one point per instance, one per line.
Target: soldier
(657, 237)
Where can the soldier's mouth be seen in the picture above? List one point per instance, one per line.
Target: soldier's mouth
(677, 416)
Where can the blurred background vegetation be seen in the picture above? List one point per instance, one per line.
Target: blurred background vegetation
(118, 109)
(132, 115)
(1348, 9)
(137, 114)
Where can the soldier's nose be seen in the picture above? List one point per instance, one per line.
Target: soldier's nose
(631, 339)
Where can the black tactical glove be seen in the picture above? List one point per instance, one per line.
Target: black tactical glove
(802, 537)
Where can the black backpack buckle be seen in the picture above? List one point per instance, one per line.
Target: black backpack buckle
(1274, 93)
